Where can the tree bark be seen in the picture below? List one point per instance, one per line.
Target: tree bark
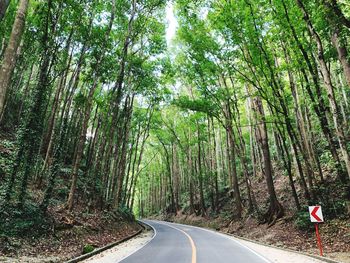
(122, 163)
(275, 210)
(200, 173)
(4, 4)
(9, 61)
(342, 55)
(232, 164)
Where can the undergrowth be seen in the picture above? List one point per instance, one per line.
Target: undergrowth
(28, 221)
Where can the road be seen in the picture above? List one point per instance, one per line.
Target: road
(175, 243)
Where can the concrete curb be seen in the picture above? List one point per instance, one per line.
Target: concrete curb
(324, 259)
(99, 250)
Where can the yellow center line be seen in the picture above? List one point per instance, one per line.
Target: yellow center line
(194, 250)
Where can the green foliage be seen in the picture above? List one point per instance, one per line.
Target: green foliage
(61, 191)
(169, 122)
(6, 159)
(199, 105)
(88, 248)
(28, 221)
(332, 197)
(126, 213)
(302, 220)
(327, 160)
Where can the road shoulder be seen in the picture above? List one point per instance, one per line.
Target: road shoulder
(276, 255)
(123, 250)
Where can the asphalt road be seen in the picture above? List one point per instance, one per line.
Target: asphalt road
(175, 243)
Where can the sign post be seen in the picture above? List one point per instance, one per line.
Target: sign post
(316, 217)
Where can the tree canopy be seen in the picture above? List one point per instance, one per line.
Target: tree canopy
(100, 112)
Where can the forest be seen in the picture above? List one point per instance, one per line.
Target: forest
(243, 113)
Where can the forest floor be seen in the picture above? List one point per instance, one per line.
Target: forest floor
(70, 234)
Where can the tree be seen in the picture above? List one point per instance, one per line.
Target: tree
(9, 61)
(275, 209)
(3, 8)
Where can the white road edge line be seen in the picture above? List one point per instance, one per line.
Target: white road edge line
(230, 238)
(155, 233)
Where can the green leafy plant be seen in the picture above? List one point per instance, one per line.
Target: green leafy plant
(302, 221)
(88, 248)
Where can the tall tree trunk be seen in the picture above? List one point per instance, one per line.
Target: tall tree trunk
(190, 175)
(4, 4)
(275, 209)
(122, 164)
(176, 177)
(286, 158)
(9, 61)
(25, 94)
(215, 168)
(200, 173)
(342, 55)
(232, 164)
(169, 181)
(48, 138)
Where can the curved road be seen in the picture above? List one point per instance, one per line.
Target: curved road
(175, 243)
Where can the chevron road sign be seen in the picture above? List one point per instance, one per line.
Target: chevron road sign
(316, 214)
(316, 217)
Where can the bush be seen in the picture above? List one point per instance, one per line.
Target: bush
(302, 220)
(29, 221)
(126, 213)
(332, 197)
(88, 248)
